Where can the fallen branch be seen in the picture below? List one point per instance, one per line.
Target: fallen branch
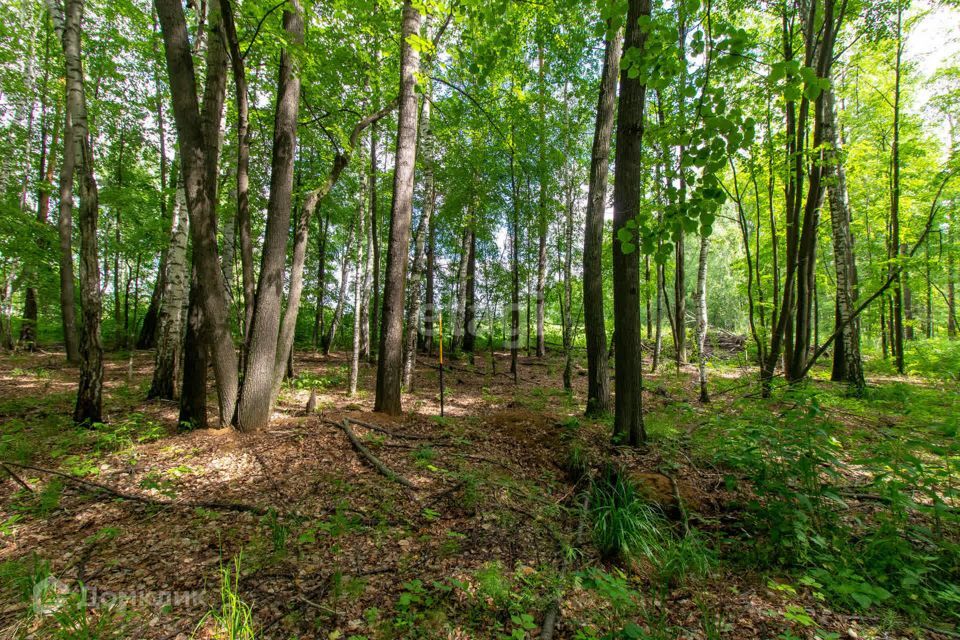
(379, 429)
(372, 459)
(20, 481)
(135, 497)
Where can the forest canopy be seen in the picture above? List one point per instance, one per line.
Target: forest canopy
(688, 269)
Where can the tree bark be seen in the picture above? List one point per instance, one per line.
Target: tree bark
(389, 360)
(169, 356)
(196, 359)
(702, 316)
(542, 216)
(459, 311)
(430, 306)
(243, 165)
(594, 320)
(89, 405)
(263, 349)
(847, 362)
(147, 338)
(362, 238)
(470, 299)
(68, 312)
(628, 402)
(341, 296)
(420, 247)
(894, 243)
(119, 331)
(373, 336)
(323, 225)
(199, 143)
(28, 329)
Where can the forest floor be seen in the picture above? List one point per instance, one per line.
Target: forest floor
(295, 523)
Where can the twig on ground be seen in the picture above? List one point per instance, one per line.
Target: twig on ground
(379, 429)
(135, 497)
(372, 459)
(20, 481)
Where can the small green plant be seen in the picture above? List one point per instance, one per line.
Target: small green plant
(233, 619)
(577, 463)
(42, 503)
(279, 532)
(310, 380)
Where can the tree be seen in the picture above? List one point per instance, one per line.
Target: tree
(199, 145)
(389, 360)
(847, 363)
(628, 406)
(68, 24)
(263, 354)
(598, 379)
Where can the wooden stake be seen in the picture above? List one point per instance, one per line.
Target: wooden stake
(441, 362)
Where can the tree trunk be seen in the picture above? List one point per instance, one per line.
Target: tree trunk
(792, 329)
(430, 306)
(68, 312)
(28, 330)
(243, 165)
(420, 246)
(365, 295)
(341, 296)
(318, 328)
(515, 289)
(389, 359)
(167, 369)
(470, 300)
(196, 359)
(542, 216)
(894, 243)
(373, 336)
(358, 319)
(567, 268)
(119, 332)
(658, 331)
(458, 313)
(847, 362)
(594, 320)
(89, 405)
(702, 316)
(256, 394)
(199, 143)
(628, 407)
(147, 338)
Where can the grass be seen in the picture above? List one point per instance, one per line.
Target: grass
(624, 524)
(233, 619)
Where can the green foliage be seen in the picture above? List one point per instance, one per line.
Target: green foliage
(797, 461)
(42, 503)
(310, 380)
(624, 525)
(233, 619)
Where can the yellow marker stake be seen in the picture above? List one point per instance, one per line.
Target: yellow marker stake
(441, 363)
